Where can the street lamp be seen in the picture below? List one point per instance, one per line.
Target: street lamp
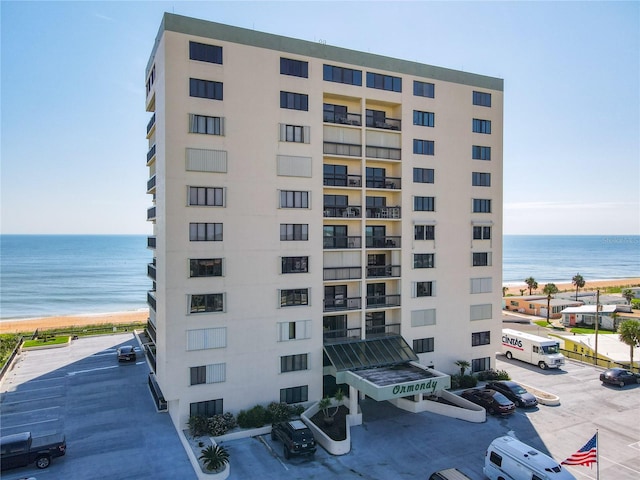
(548, 307)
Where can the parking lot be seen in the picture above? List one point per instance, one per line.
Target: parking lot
(114, 431)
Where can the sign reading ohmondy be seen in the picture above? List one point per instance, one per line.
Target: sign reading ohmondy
(424, 386)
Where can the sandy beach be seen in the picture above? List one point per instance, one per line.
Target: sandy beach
(31, 324)
(621, 282)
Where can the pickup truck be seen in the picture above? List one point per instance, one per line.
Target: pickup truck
(22, 449)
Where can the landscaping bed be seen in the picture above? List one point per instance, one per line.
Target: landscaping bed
(338, 430)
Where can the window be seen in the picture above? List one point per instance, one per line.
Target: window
(423, 175)
(423, 260)
(294, 133)
(481, 233)
(480, 153)
(207, 196)
(294, 199)
(205, 53)
(295, 296)
(205, 232)
(481, 126)
(424, 232)
(481, 285)
(293, 363)
(424, 204)
(205, 89)
(206, 303)
(384, 82)
(206, 125)
(294, 101)
(481, 205)
(495, 459)
(341, 75)
(294, 394)
(291, 232)
(423, 345)
(424, 119)
(480, 364)
(209, 408)
(335, 113)
(480, 179)
(214, 373)
(296, 68)
(295, 264)
(423, 89)
(480, 338)
(205, 267)
(481, 312)
(298, 330)
(422, 318)
(425, 289)
(481, 259)
(335, 175)
(481, 98)
(423, 147)
(206, 338)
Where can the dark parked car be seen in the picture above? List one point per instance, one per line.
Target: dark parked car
(126, 353)
(494, 402)
(514, 392)
(22, 449)
(449, 474)
(296, 437)
(619, 376)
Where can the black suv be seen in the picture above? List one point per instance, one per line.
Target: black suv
(296, 437)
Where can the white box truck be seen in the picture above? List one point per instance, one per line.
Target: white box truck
(509, 459)
(540, 351)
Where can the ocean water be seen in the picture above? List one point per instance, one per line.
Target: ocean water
(45, 275)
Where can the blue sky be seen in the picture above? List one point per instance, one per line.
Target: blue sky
(73, 121)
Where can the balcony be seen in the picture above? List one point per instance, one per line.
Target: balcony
(151, 270)
(342, 242)
(352, 211)
(151, 214)
(151, 184)
(386, 123)
(151, 242)
(343, 119)
(383, 152)
(377, 271)
(345, 149)
(383, 301)
(342, 304)
(342, 273)
(151, 299)
(342, 180)
(151, 124)
(393, 183)
(151, 154)
(383, 242)
(384, 212)
(374, 331)
(331, 336)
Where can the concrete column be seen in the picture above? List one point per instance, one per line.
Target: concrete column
(353, 400)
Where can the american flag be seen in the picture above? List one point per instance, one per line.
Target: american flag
(586, 455)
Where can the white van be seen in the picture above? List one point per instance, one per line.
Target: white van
(509, 459)
(540, 351)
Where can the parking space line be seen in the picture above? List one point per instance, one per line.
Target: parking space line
(620, 465)
(34, 423)
(635, 445)
(274, 454)
(92, 370)
(29, 411)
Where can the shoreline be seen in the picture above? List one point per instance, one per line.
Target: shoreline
(20, 325)
(513, 288)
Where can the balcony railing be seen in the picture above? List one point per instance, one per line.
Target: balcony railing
(377, 271)
(373, 331)
(352, 211)
(151, 242)
(346, 149)
(151, 300)
(151, 270)
(151, 331)
(152, 122)
(383, 152)
(387, 123)
(341, 304)
(151, 153)
(382, 301)
(337, 180)
(341, 118)
(151, 184)
(393, 183)
(342, 242)
(151, 213)
(383, 242)
(342, 273)
(384, 212)
(330, 336)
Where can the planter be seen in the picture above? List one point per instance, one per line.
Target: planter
(544, 398)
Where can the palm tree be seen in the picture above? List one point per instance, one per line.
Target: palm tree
(628, 295)
(531, 283)
(463, 364)
(214, 458)
(504, 291)
(629, 333)
(549, 289)
(579, 282)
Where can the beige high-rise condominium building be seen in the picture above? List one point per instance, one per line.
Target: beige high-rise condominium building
(319, 215)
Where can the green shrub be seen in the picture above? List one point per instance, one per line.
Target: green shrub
(278, 412)
(198, 425)
(493, 375)
(254, 418)
(220, 424)
(463, 381)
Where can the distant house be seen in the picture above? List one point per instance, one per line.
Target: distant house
(610, 349)
(586, 315)
(537, 305)
(590, 298)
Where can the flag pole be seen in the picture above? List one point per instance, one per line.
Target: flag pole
(597, 454)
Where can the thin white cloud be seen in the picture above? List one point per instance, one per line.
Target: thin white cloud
(103, 17)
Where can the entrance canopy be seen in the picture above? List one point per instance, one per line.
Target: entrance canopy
(370, 353)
